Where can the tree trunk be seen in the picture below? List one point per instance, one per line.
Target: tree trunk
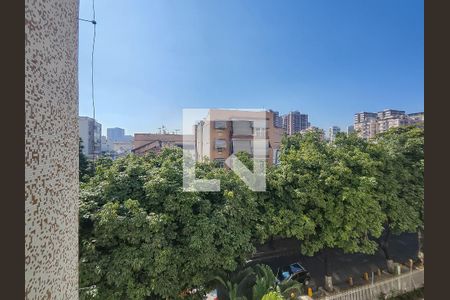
(384, 243)
(385, 248)
(391, 266)
(326, 260)
(329, 283)
(421, 239)
(327, 269)
(272, 243)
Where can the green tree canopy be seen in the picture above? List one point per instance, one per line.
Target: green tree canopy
(400, 153)
(326, 194)
(142, 236)
(85, 168)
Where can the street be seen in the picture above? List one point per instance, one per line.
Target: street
(402, 248)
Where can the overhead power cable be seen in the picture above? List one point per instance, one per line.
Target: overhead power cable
(94, 22)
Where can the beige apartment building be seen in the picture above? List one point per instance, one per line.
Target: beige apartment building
(225, 132)
(368, 124)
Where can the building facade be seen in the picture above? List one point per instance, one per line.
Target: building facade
(91, 136)
(105, 147)
(154, 142)
(294, 122)
(332, 132)
(417, 119)
(368, 124)
(115, 134)
(277, 119)
(226, 132)
(350, 129)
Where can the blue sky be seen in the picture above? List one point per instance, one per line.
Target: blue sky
(326, 58)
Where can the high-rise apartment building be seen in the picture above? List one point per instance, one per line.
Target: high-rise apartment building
(115, 134)
(226, 132)
(350, 129)
(332, 132)
(91, 135)
(277, 119)
(417, 118)
(365, 123)
(369, 124)
(294, 122)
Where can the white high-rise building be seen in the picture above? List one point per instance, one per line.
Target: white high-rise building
(368, 124)
(332, 132)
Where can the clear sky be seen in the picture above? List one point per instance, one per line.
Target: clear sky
(326, 58)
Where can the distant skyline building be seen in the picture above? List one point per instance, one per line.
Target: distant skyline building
(294, 122)
(314, 129)
(90, 132)
(365, 124)
(105, 147)
(417, 118)
(277, 119)
(332, 132)
(368, 124)
(350, 129)
(115, 134)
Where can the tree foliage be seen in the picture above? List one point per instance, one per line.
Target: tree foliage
(326, 194)
(254, 283)
(400, 153)
(143, 237)
(85, 168)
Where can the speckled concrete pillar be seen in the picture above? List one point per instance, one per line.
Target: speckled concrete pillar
(51, 149)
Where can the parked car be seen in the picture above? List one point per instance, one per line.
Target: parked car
(295, 272)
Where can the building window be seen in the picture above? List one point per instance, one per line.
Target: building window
(220, 144)
(242, 145)
(220, 124)
(260, 131)
(242, 127)
(276, 157)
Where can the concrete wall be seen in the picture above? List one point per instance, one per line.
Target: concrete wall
(51, 149)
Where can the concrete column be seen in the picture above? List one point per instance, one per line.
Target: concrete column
(329, 283)
(51, 149)
(390, 266)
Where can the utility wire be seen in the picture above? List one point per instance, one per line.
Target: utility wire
(92, 75)
(94, 22)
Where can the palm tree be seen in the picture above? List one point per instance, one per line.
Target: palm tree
(235, 286)
(272, 296)
(265, 281)
(250, 283)
(290, 289)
